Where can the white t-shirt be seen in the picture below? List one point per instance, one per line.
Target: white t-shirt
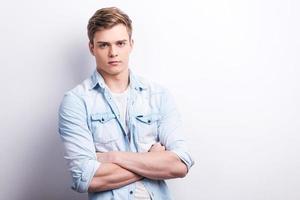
(121, 102)
(121, 99)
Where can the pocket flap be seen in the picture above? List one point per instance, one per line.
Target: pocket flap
(102, 117)
(148, 119)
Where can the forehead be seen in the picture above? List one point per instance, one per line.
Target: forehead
(117, 32)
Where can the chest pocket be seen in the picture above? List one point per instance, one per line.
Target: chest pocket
(105, 128)
(147, 128)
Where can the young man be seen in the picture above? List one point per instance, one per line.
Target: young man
(121, 133)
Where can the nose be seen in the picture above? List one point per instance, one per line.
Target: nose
(112, 52)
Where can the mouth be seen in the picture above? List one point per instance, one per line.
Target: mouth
(114, 63)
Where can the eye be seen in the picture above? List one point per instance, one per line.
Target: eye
(121, 43)
(103, 45)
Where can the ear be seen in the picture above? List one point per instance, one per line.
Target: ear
(91, 48)
(131, 43)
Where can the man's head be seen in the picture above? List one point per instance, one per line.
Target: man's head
(109, 32)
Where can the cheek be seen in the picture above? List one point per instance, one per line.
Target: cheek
(127, 53)
(100, 56)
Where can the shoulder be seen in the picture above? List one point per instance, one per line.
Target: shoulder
(80, 90)
(77, 94)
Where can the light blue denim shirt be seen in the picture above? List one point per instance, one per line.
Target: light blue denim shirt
(89, 121)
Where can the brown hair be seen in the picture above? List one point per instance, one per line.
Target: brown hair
(106, 18)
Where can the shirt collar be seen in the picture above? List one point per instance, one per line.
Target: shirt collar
(97, 80)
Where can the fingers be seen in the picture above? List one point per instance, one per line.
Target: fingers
(157, 147)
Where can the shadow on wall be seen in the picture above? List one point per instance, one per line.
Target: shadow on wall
(80, 64)
(48, 177)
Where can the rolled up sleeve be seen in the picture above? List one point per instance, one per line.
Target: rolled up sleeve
(170, 130)
(77, 139)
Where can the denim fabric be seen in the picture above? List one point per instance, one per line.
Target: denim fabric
(89, 121)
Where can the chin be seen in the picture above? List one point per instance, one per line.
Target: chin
(114, 71)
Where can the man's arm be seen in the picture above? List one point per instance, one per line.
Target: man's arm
(155, 164)
(111, 176)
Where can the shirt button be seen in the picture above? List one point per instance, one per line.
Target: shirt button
(83, 178)
(131, 192)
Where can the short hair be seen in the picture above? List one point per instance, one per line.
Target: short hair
(106, 18)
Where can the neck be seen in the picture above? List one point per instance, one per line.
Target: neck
(116, 83)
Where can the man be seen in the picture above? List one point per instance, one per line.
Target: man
(121, 133)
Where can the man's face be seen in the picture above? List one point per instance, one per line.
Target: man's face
(111, 49)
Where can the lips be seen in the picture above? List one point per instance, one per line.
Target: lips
(115, 62)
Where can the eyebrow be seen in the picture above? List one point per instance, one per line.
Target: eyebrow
(104, 42)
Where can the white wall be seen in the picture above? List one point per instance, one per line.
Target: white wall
(232, 65)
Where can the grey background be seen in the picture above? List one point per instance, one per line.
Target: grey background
(233, 67)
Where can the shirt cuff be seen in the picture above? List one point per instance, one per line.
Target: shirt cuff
(81, 184)
(184, 157)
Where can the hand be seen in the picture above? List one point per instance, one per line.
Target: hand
(157, 147)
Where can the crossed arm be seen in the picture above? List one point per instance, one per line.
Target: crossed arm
(122, 168)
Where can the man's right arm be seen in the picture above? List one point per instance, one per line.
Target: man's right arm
(87, 173)
(111, 176)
